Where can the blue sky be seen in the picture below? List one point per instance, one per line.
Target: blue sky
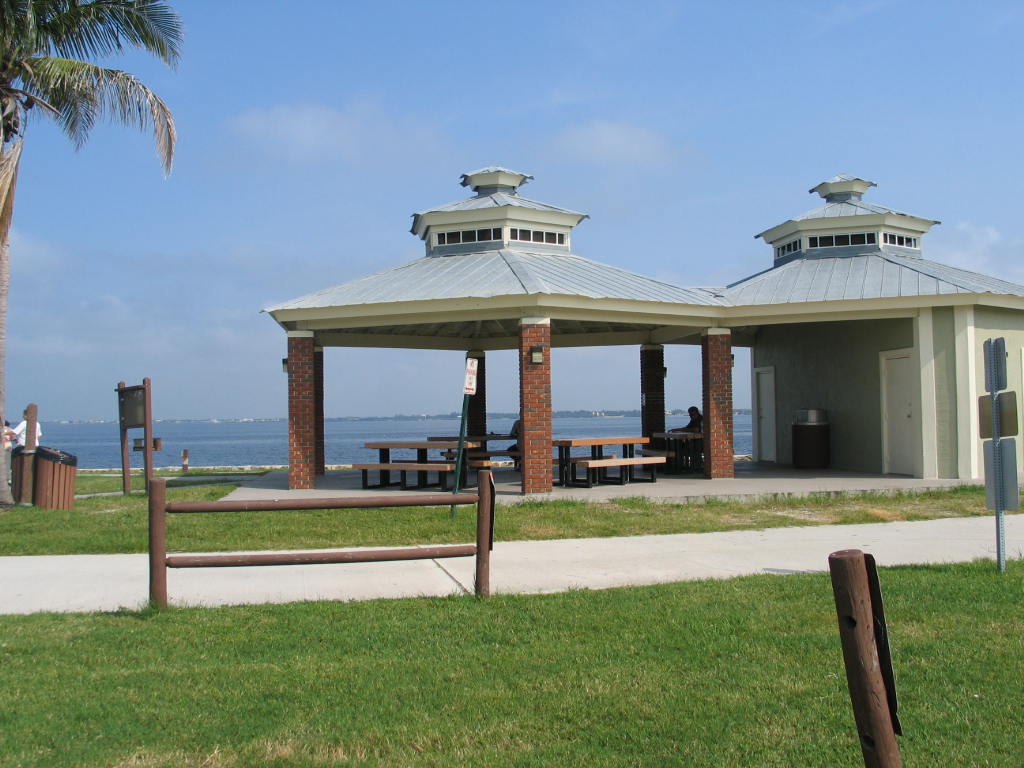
(310, 131)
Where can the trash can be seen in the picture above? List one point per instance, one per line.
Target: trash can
(54, 486)
(22, 462)
(811, 438)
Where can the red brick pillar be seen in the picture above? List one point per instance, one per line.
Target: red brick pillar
(476, 419)
(535, 403)
(301, 410)
(318, 403)
(716, 365)
(652, 389)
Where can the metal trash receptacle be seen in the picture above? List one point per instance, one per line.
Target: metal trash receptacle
(54, 486)
(811, 439)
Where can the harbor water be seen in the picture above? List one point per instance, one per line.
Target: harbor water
(265, 442)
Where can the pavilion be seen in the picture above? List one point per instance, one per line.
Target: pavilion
(849, 318)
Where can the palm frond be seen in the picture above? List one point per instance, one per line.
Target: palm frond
(89, 29)
(83, 92)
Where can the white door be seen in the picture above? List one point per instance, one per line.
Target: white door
(899, 413)
(764, 414)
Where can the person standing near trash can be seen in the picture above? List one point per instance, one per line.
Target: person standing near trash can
(22, 428)
(10, 439)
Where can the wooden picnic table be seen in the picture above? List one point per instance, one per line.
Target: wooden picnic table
(597, 446)
(685, 450)
(422, 462)
(475, 438)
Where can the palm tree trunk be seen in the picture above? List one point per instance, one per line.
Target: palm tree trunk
(9, 160)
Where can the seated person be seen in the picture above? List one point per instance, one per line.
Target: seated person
(514, 433)
(696, 423)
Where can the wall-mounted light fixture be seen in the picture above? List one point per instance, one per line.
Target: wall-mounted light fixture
(284, 364)
(536, 354)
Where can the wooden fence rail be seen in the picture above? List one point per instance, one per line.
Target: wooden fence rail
(160, 561)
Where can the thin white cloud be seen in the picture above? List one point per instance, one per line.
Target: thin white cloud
(361, 131)
(32, 255)
(980, 248)
(604, 142)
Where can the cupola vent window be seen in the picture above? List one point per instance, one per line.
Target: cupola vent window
(784, 250)
(469, 236)
(536, 236)
(834, 241)
(894, 239)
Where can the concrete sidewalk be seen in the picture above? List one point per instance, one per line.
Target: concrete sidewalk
(110, 582)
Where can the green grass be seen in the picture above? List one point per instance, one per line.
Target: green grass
(117, 524)
(90, 481)
(743, 672)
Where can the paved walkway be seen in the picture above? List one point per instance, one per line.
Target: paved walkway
(110, 582)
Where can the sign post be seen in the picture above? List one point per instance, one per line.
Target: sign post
(1001, 490)
(468, 389)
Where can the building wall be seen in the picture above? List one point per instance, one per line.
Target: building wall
(832, 366)
(993, 323)
(944, 345)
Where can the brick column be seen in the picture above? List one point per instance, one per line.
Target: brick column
(301, 410)
(535, 404)
(652, 390)
(318, 404)
(477, 417)
(716, 367)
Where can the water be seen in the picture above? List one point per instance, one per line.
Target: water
(237, 443)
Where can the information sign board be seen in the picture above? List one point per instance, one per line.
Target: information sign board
(472, 364)
(1008, 422)
(132, 402)
(1001, 491)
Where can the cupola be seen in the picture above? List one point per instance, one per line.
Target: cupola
(846, 225)
(496, 217)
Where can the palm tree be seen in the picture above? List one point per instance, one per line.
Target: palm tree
(42, 47)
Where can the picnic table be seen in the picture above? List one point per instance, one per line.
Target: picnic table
(422, 465)
(684, 450)
(597, 464)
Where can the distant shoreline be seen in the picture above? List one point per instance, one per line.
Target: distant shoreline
(396, 417)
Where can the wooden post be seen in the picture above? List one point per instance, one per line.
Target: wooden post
(26, 489)
(158, 543)
(126, 465)
(147, 431)
(484, 532)
(868, 695)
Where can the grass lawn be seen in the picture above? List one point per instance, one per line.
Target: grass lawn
(743, 672)
(117, 524)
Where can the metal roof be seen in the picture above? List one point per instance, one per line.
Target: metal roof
(498, 200)
(850, 208)
(505, 272)
(851, 273)
(495, 169)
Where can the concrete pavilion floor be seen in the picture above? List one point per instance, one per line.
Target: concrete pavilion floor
(752, 481)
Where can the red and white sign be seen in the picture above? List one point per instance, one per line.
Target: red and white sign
(471, 365)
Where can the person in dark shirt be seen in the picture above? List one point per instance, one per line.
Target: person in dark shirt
(696, 423)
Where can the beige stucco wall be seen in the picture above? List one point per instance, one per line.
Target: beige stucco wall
(833, 366)
(1008, 323)
(944, 346)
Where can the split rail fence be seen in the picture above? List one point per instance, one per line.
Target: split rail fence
(160, 561)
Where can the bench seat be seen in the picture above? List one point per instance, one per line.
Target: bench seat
(597, 469)
(444, 470)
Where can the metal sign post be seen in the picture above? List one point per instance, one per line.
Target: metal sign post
(468, 389)
(1001, 490)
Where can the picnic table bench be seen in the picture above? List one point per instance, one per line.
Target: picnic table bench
(422, 465)
(598, 464)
